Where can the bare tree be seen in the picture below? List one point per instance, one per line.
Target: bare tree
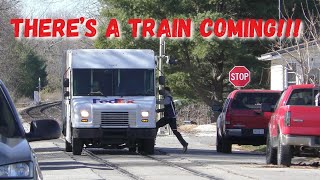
(11, 56)
(198, 113)
(52, 50)
(8, 59)
(300, 54)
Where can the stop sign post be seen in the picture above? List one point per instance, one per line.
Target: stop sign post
(239, 76)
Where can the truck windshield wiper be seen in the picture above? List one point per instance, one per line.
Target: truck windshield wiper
(95, 94)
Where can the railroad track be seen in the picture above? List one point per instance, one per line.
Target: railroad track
(187, 169)
(100, 159)
(192, 171)
(38, 112)
(111, 165)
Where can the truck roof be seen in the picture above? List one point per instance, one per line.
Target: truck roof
(111, 59)
(302, 86)
(233, 93)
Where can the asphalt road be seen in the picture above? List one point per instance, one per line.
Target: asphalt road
(200, 162)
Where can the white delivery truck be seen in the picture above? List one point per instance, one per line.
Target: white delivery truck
(109, 99)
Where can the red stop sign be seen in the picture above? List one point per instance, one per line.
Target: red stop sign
(239, 76)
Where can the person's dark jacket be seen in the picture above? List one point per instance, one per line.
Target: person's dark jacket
(169, 107)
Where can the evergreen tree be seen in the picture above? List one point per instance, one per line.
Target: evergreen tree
(202, 72)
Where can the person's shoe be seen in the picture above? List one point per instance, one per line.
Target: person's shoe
(185, 148)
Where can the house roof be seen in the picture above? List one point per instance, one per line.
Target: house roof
(276, 54)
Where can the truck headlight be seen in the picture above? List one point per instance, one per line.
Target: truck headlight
(17, 170)
(145, 114)
(84, 113)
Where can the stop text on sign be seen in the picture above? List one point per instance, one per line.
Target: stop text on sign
(239, 76)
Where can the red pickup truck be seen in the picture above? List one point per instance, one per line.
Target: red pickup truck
(294, 127)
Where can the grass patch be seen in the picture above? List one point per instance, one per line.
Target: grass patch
(261, 148)
(189, 128)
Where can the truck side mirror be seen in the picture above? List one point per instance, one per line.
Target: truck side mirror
(66, 82)
(66, 93)
(43, 129)
(266, 107)
(162, 80)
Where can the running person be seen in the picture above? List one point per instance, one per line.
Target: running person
(170, 117)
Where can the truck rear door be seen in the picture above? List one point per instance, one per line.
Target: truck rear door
(304, 120)
(304, 116)
(246, 113)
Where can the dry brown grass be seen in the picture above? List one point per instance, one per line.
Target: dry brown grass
(52, 96)
(258, 149)
(188, 128)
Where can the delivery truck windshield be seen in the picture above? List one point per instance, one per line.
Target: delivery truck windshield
(113, 82)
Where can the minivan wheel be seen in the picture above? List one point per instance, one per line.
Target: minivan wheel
(77, 146)
(68, 146)
(284, 154)
(271, 153)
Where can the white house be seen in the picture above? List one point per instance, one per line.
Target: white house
(294, 65)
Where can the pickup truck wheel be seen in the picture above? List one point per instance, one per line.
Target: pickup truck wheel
(284, 154)
(271, 153)
(77, 146)
(68, 146)
(218, 143)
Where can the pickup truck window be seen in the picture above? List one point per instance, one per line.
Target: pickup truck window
(8, 124)
(303, 97)
(254, 100)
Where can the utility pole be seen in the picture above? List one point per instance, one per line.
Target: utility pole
(39, 88)
(162, 46)
(279, 10)
(280, 47)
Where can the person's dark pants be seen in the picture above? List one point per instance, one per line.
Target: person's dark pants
(173, 125)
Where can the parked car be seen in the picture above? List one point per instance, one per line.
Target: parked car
(241, 120)
(17, 159)
(294, 128)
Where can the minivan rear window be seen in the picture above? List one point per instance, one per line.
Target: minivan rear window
(254, 100)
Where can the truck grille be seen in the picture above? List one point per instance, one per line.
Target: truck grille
(118, 119)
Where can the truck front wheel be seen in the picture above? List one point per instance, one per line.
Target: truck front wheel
(146, 146)
(284, 154)
(132, 149)
(77, 146)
